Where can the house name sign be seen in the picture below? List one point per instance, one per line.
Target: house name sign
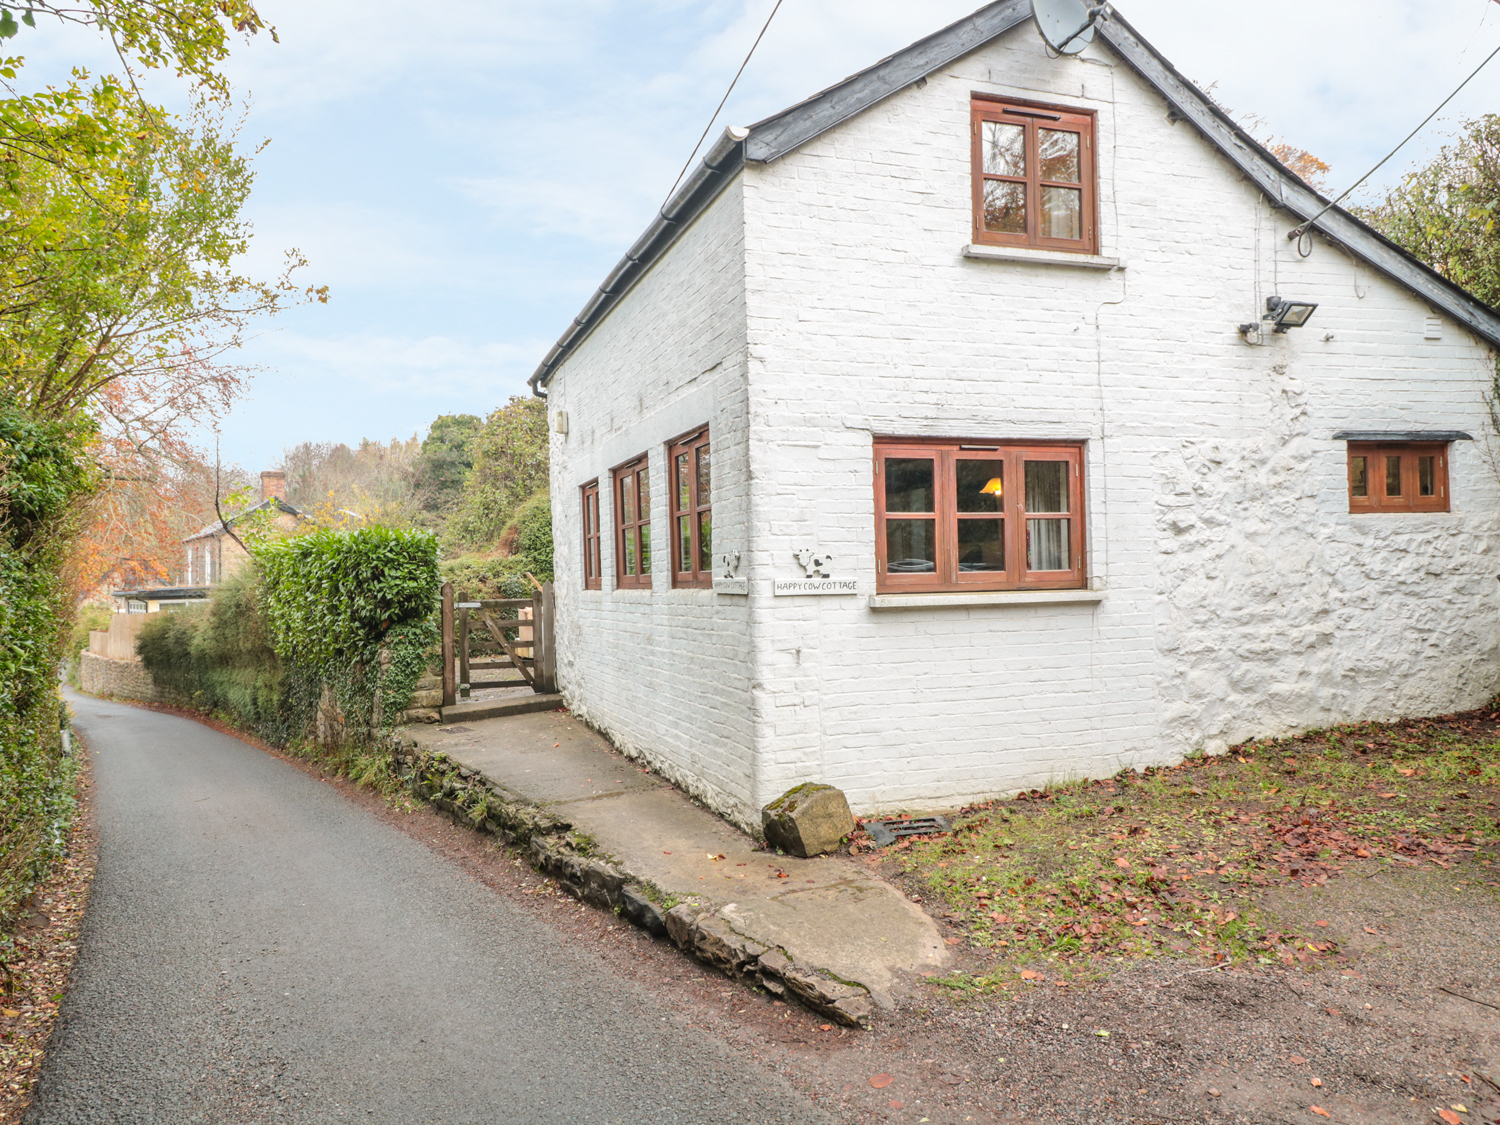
(817, 569)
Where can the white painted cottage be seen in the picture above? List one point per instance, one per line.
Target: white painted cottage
(932, 444)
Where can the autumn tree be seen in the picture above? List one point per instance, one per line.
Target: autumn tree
(371, 483)
(1445, 212)
(1299, 160)
(510, 463)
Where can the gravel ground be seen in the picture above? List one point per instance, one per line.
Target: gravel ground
(257, 948)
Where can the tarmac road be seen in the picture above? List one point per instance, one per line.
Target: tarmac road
(259, 949)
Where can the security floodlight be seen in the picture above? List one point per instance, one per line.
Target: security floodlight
(1286, 314)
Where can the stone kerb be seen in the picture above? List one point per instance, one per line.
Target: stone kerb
(552, 847)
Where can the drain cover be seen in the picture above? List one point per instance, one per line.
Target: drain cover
(885, 832)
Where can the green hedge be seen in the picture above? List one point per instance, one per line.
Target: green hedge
(42, 471)
(217, 659)
(314, 610)
(334, 601)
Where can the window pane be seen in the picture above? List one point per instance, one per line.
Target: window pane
(1047, 545)
(1062, 212)
(1427, 476)
(910, 547)
(1057, 152)
(684, 543)
(645, 544)
(703, 481)
(981, 545)
(908, 484)
(980, 485)
(594, 556)
(1047, 487)
(644, 483)
(705, 542)
(1359, 477)
(1004, 148)
(1004, 207)
(1393, 476)
(629, 550)
(684, 484)
(627, 498)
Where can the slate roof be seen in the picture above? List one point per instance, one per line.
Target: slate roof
(218, 526)
(784, 132)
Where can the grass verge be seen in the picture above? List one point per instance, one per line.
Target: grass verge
(1175, 861)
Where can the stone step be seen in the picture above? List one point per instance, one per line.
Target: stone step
(495, 708)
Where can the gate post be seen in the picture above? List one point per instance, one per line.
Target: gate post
(450, 689)
(546, 633)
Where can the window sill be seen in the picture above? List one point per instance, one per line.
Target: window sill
(987, 597)
(980, 252)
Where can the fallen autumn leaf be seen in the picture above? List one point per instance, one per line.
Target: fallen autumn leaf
(1320, 1111)
(881, 1081)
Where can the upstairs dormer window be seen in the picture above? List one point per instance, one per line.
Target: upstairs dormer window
(1034, 182)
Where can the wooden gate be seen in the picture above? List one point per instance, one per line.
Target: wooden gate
(498, 633)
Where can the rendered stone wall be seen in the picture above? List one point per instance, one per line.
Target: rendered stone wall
(1240, 596)
(663, 672)
(825, 300)
(102, 675)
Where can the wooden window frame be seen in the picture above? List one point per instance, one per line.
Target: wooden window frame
(1410, 453)
(593, 557)
(1033, 116)
(634, 469)
(948, 577)
(692, 571)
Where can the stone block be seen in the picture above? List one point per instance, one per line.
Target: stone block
(807, 820)
(641, 911)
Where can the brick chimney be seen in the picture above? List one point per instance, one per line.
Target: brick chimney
(273, 486)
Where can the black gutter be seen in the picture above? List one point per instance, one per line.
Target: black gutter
(722, 163)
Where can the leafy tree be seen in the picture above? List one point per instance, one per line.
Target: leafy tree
(1445, 213)
(444, 463)
(510, 463)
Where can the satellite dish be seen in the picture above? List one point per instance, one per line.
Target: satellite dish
(1067, 26)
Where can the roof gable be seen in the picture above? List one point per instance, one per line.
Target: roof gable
(775, 136)
(219, 527)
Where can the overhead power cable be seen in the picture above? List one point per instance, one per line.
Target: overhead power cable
(715, 117)
(1298, 232)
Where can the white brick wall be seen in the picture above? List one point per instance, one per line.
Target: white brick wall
(1241, 596)
(665, 673)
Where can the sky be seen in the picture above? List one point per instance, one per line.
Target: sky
(462, 176)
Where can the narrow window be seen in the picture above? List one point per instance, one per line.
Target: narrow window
(633, 522)
(591, 572)
(1398, 477)
(691, 485)
(1033, 173)
(969, 515)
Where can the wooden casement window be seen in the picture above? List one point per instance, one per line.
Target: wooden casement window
(976, 515)
(1399, 477)
(591, 559)
(1034, 180)
(632, 489)
(692, 514)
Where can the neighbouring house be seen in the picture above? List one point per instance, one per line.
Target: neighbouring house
(976, 423)
(213, 553)
(110, 666)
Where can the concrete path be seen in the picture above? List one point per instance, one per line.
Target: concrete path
(827, 913)
(258, 949)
